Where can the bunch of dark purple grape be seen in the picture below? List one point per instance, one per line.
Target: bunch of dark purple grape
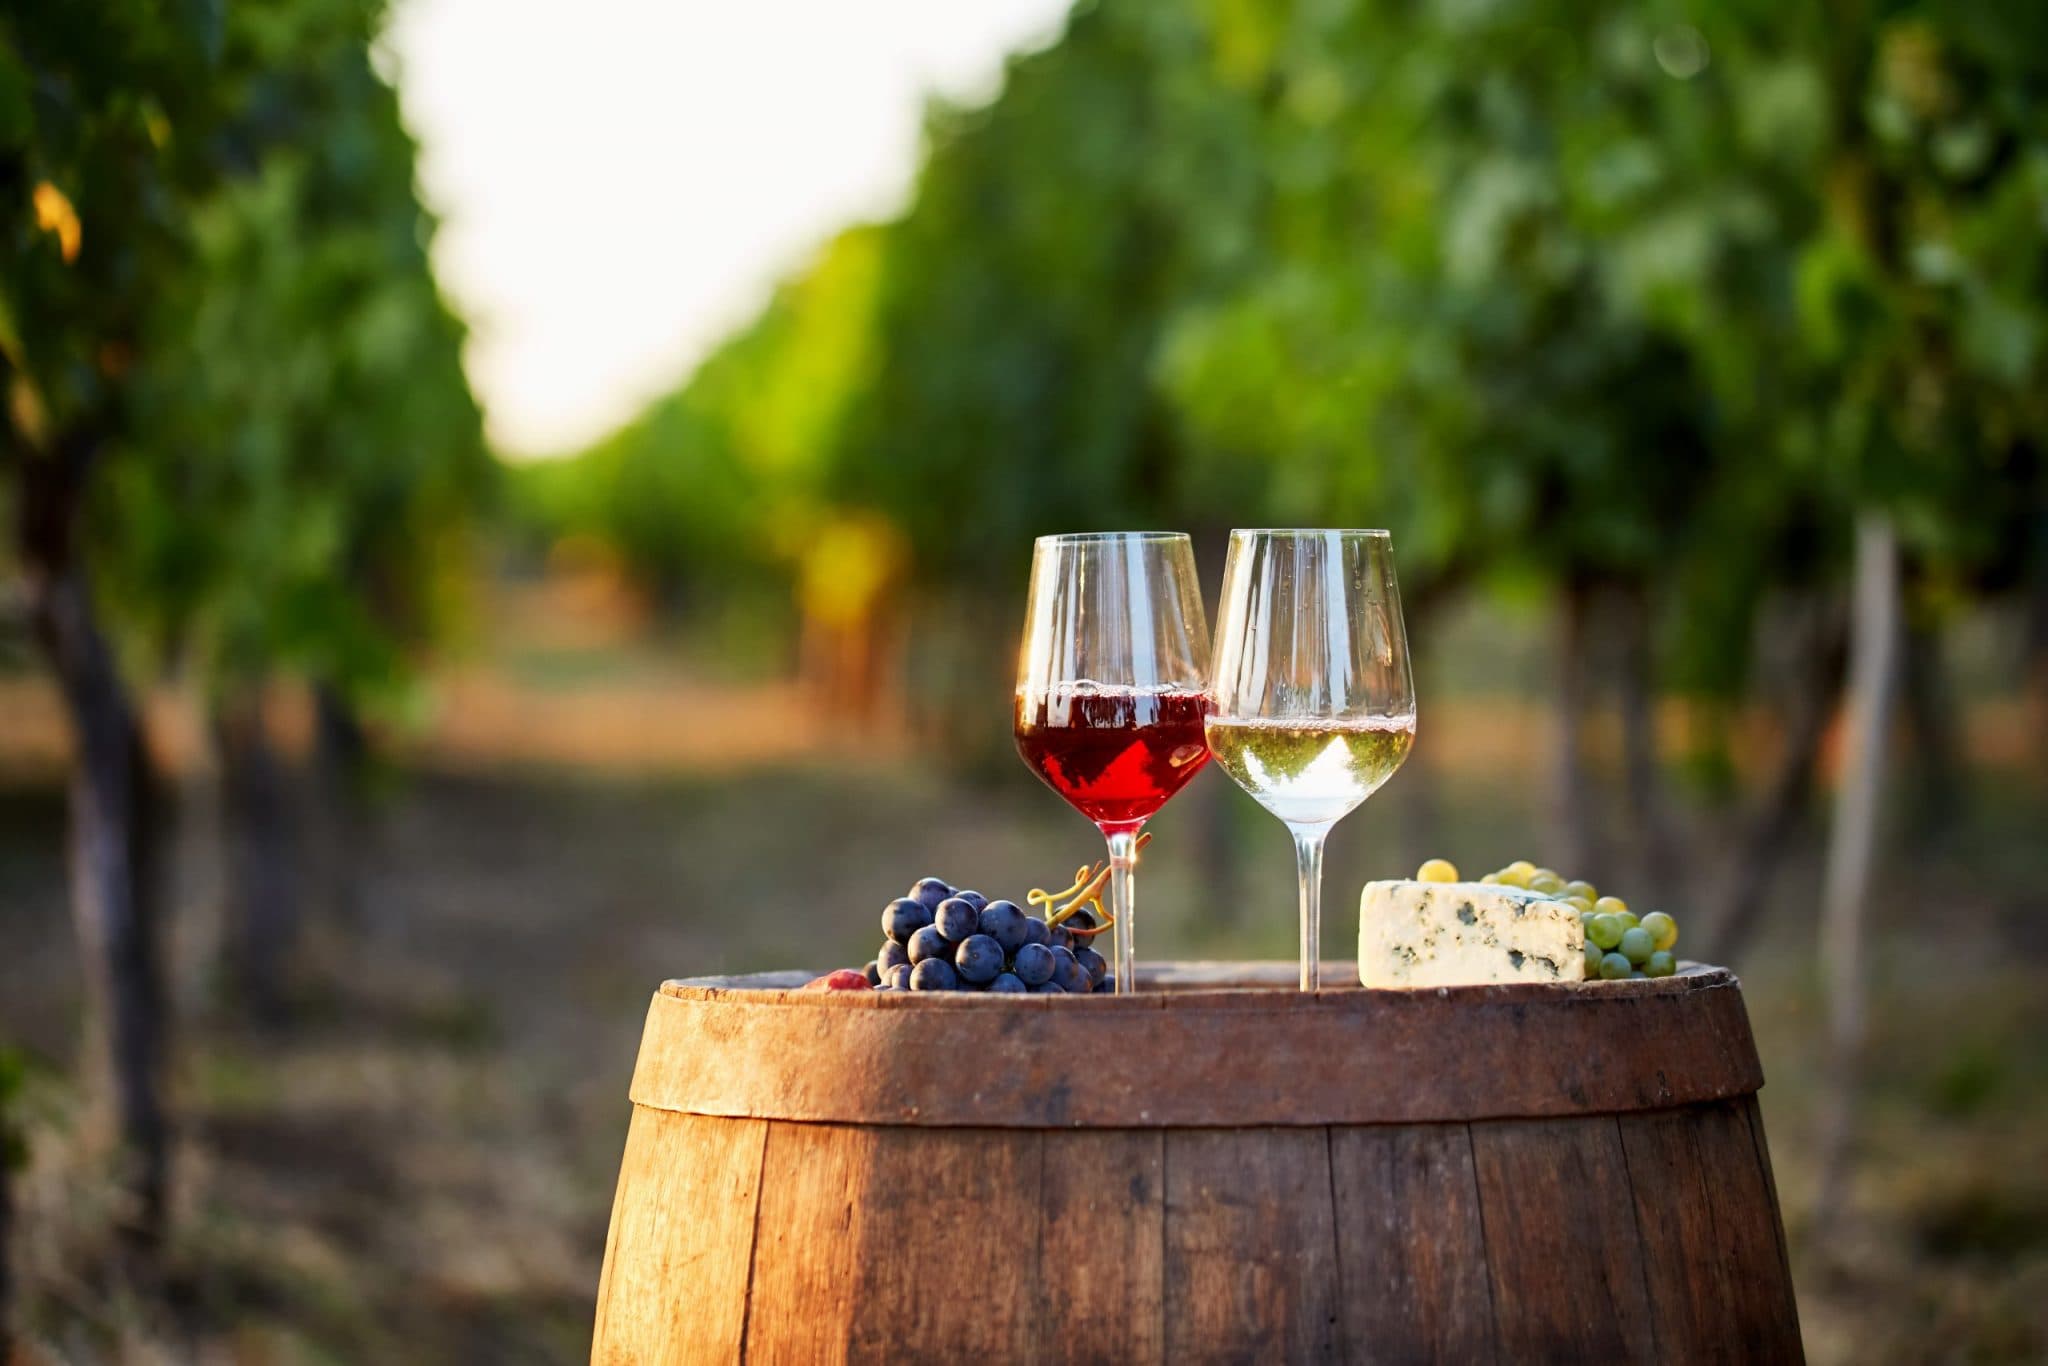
(940, 939)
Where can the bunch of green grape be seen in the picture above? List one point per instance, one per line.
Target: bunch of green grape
(1619, 943)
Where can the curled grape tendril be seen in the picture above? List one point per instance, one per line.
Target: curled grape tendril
(1084, 892)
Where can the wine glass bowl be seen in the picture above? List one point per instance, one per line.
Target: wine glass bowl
(1312, 696)
(1116, 754)
(1112, 688)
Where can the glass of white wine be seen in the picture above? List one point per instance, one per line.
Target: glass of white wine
(1313, 700)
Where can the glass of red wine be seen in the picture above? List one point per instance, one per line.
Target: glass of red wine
(1112, 688)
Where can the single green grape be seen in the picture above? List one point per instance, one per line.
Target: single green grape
(1606, 931)
(1613, 967)
(1578, 887)
(1627, 918)
(1661, 964)
(1545, 881)
(1593, 957)
(1437, 870)
(1516, 874)
(1610, 905)
(1636, 945)
(1638, 975)
(1491, 879)
(1579, 904)
(1662, 928)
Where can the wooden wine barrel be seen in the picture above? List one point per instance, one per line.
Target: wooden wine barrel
(1218, 1169)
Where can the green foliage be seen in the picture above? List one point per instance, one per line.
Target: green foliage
(1588, 302)
(1652, 295)
(217, 283)
(1025, 293)
(96, 108)
(310, 447)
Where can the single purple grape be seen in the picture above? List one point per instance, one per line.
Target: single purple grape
(978, 959)
(1068, 972)
(904, 917)
(928, 943)
(1004, 922)
(956, 919)
(929, 892)
(1034, 964)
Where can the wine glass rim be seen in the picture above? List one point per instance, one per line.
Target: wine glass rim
(1083, 537)
(1312, 531)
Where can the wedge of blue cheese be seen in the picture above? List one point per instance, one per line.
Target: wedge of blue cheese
(1450, 934)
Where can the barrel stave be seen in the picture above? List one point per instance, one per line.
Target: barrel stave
(877, 1243)
(1564, 1259)
(1101, 1246)
(675, 1283)
(1709, 1233)
(1250, 1248)
(1411, 1246)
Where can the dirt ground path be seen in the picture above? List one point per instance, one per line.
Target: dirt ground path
(419, 1168)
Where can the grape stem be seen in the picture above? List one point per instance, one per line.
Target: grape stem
(1085, 891)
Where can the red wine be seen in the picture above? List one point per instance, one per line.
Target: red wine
(1116, 754)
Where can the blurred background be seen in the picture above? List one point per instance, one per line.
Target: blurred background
(503, 504)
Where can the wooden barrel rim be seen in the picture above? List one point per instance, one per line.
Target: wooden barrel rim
(1194, 1053)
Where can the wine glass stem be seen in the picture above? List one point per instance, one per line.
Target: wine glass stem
(1308, 860)
(1123, 905)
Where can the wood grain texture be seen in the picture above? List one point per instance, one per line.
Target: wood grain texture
(816, 1206)
(1100, 1237)
(1763, 1161)
(1411, 1246)
(1710, 1236)
(1226, 1058)
(1250, 1250)
(895, 1245)
(1565, 1258)
(674, 1287)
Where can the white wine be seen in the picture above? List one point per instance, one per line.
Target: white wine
(1311, 772)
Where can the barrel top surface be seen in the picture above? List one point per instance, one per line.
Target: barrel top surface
(1253, 983)
(1199, 1045)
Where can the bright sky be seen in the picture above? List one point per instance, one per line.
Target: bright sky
(621, 181)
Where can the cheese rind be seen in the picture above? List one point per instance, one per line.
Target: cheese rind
(1446, 934)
